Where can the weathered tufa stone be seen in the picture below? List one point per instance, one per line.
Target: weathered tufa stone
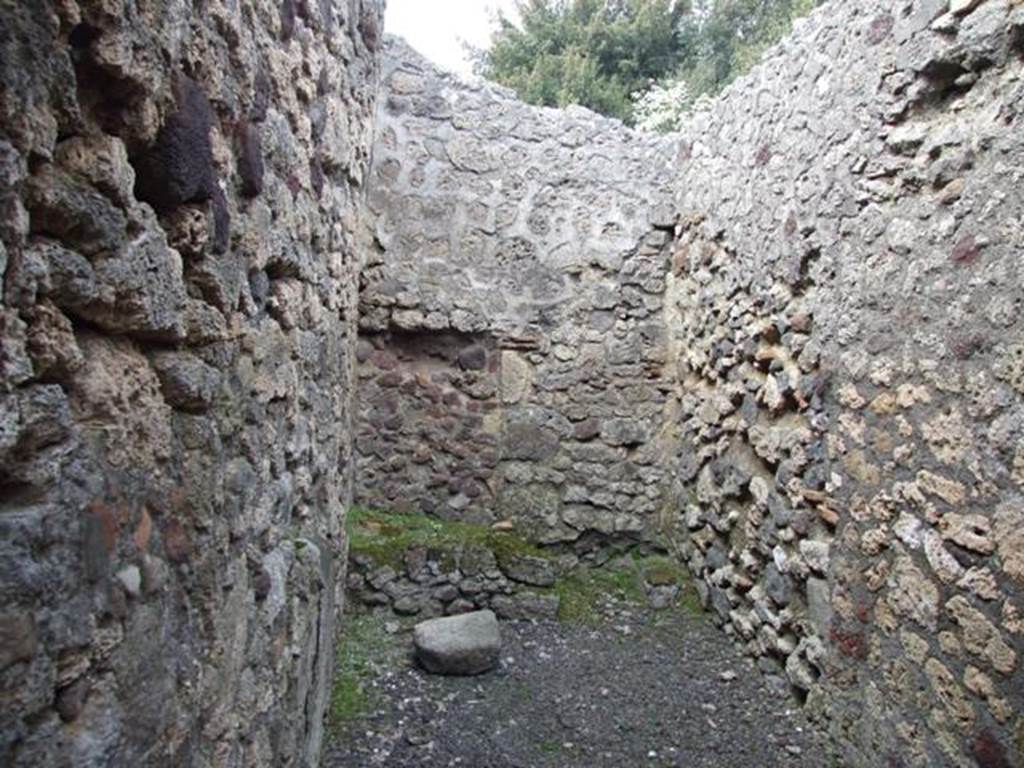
(458, 645)
(102, 161)
(177, 543)
(187, 382)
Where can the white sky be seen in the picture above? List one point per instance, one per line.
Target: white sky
(436, 28)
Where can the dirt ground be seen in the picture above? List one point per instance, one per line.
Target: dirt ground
(636, 688)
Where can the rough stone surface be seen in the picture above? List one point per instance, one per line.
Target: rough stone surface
(856, 299)
(468, 644)
(452, 580)
(513, 353)
(806, 368)
(787, 338)
(173, 473)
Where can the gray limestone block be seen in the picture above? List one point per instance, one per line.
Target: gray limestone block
(662, 596)
(526, 569)
(526, 606)
(468, 644)
(18, 637)
(777, 586)
(459, 606)
(625, 432)
(408, 605)
(819, 605)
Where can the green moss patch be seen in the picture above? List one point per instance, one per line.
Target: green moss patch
(385, 537)
(549, 746)
(664, 570)
(363, 647)
(583, 592)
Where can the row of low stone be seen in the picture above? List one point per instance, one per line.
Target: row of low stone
(426, 582)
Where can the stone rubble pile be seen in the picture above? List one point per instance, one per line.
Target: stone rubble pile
(435, 583)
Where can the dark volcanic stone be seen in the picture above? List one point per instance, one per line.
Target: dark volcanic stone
(250, 159)
(287, 19)
(473, 358)
(179, 167)
(71, 699)
(76, 214)
(187, 382)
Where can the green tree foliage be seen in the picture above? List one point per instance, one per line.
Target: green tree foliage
(607, 54)
(722, 39)
(596, 53)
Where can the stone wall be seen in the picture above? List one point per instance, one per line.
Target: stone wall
(811, 390)
(785, 343)
(512, 362)
(180, 188)
(846, 304)
(428, 440)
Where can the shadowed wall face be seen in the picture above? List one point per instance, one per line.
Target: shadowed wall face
(178, 206)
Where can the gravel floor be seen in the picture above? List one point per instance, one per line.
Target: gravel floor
(641, 689)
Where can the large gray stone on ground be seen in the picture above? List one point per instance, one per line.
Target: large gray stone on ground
(458, 645)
